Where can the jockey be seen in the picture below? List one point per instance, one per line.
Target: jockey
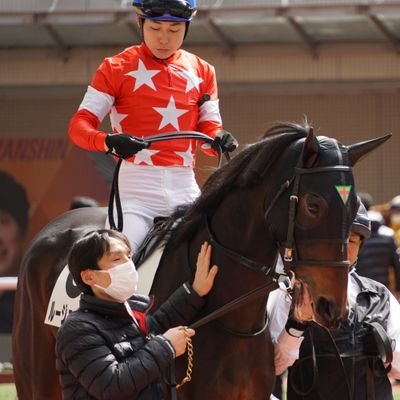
(368, 341)
(148, 89)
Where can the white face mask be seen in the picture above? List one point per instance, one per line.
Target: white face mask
(124, 281)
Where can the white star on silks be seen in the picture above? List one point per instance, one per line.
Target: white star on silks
(116, 119)
(143, 76)
(193, 81)
(187, 156)
(145, 156)
(170, 114)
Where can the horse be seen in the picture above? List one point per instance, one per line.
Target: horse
(291, 193)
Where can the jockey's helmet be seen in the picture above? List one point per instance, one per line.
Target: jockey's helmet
(166, 10)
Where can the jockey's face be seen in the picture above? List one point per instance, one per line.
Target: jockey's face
(163, 38)
(10, 244)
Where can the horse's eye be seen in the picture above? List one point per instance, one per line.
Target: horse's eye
(313, 208)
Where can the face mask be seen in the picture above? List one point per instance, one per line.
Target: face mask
(124, 281)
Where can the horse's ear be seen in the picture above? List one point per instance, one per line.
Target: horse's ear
(359, 150)
(310, 151)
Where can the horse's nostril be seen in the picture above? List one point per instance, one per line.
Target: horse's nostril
(329, 311)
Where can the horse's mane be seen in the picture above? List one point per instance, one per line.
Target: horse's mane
(244, 170)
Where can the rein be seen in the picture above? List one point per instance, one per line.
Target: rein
(306, 392)
(246, 297)
(114, 193)
(236, 303)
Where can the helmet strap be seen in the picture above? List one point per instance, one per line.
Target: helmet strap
(141, 22)
(186, 29)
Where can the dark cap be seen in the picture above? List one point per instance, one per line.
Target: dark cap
(362, 223)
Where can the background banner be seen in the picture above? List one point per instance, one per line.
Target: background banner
(53, 172)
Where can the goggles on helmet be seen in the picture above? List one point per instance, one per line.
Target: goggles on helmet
(158, 8)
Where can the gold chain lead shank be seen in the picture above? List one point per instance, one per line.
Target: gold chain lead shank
(189, 369)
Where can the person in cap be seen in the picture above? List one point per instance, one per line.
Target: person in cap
(378, 255)
(152, 88)
(14, 218)
(367, 343)
(112, 347)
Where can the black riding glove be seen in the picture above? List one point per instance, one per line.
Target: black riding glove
(295, 328)
(225, 141)
(124, 145)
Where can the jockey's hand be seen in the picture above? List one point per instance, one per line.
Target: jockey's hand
(124, 145)
(177, 338)
(225, 141)
(204, 277)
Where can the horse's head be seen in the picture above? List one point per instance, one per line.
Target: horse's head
(291, 189)
(316, 191)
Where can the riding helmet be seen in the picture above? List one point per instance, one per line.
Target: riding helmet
(166, 10)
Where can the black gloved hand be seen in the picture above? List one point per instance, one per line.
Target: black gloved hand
(226, 141)
(294, 327)
(124, 145)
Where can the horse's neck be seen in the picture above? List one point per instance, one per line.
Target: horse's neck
(174, 269)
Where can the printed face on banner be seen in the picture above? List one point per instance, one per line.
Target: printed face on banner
(11, 243)
(48, 169)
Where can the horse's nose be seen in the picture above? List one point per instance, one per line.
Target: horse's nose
(329, 313)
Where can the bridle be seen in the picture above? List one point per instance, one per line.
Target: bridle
(290, 257)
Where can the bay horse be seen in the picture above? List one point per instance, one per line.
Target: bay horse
(292, 192)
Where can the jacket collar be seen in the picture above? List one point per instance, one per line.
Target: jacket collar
(113, 308)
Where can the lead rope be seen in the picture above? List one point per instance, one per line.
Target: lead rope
(190, 353)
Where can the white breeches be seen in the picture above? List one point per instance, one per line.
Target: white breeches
(147, 192)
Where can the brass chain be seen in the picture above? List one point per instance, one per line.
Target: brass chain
(189, 369)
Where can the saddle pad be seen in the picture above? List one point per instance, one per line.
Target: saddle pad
(147, 269)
